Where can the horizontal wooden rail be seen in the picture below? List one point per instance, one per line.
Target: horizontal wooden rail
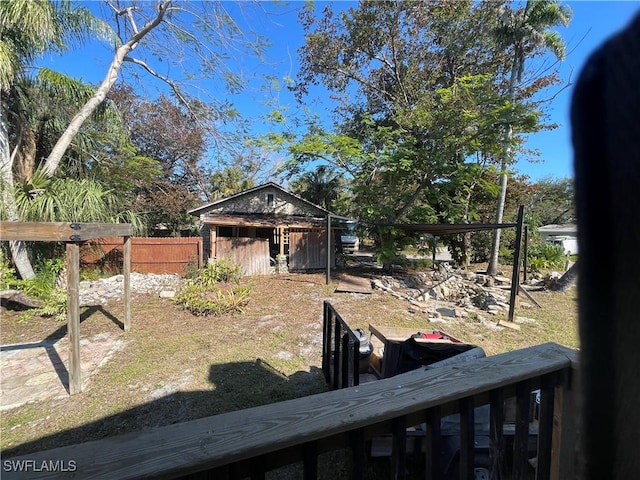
(62, 231)
(299, 426)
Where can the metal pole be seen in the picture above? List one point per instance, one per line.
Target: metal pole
(515, 277)
(328, 280)
(526, 253)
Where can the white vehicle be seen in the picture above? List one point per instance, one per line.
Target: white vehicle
(349, 238)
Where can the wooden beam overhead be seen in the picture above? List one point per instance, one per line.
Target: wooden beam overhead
(62, 231)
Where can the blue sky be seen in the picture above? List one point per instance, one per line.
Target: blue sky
(593, 22)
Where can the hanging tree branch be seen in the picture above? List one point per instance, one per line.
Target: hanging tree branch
(52, 162)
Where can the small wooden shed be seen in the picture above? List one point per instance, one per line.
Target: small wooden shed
(266, 226)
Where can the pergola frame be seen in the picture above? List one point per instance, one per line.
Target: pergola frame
(450, 229)
(73, 235)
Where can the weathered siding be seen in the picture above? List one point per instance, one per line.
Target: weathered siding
(148, 254)
(256, 202)
(251, 254)
(307, 251)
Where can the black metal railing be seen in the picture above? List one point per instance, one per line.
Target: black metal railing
(340, 350)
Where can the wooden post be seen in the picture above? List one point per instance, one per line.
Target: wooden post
(73, 316)
(515, 277)
(213, 229)
(281, 232)
(126, 270)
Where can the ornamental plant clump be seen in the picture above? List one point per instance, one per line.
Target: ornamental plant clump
(215, 290)
(544, 256)
(42, 287)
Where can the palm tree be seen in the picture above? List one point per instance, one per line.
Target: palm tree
(320, 186)
(29, 28)
(526, 32)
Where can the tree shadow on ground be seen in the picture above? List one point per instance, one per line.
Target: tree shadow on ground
(235, 386)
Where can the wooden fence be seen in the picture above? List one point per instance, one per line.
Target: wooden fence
(148, 254)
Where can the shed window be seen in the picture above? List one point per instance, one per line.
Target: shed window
(270, 200)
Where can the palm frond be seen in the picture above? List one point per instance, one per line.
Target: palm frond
(79, 24)
(554, 42)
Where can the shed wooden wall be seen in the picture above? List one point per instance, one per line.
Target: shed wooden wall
(252, 254)
(307, 250)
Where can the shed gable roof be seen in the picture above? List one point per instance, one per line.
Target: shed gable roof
(252, 191)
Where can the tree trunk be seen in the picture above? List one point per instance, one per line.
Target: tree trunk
(492, 269)
(18, 249)
(566, 281)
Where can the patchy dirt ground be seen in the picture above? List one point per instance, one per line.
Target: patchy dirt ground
(172, 367)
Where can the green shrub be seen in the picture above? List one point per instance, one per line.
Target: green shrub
(420, 263)
(201, 300)
(54, 305)
(44, 283)
(7, 274)
(214, 290)
(41, 287)
(218, 271)
(544, 256)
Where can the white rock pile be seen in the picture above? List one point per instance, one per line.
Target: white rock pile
(99, 292)
(465, 291)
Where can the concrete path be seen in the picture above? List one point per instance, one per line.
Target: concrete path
(37, 371)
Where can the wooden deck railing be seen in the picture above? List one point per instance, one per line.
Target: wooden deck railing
(340, 350)
(247, 443)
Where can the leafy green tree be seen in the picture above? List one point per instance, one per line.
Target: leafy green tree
(526, 33)
(162, 130)
(231, 180)
(417, 87)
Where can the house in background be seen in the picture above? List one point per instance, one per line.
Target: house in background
(564, 235)
(263, 227)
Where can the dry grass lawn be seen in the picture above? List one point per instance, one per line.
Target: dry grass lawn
(174, 367)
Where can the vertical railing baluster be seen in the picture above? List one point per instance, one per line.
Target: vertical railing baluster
(337, 358)
(258, 468)
(358, 452)
(347, 373)
(565, 429)
(355, 362)
(467, 438)
(545, 425)
(521, 440)
(310, 460)
(326, 342)
(496, 434)
(399, 448)
(433, 464)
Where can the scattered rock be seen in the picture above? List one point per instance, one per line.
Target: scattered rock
(99, 292)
